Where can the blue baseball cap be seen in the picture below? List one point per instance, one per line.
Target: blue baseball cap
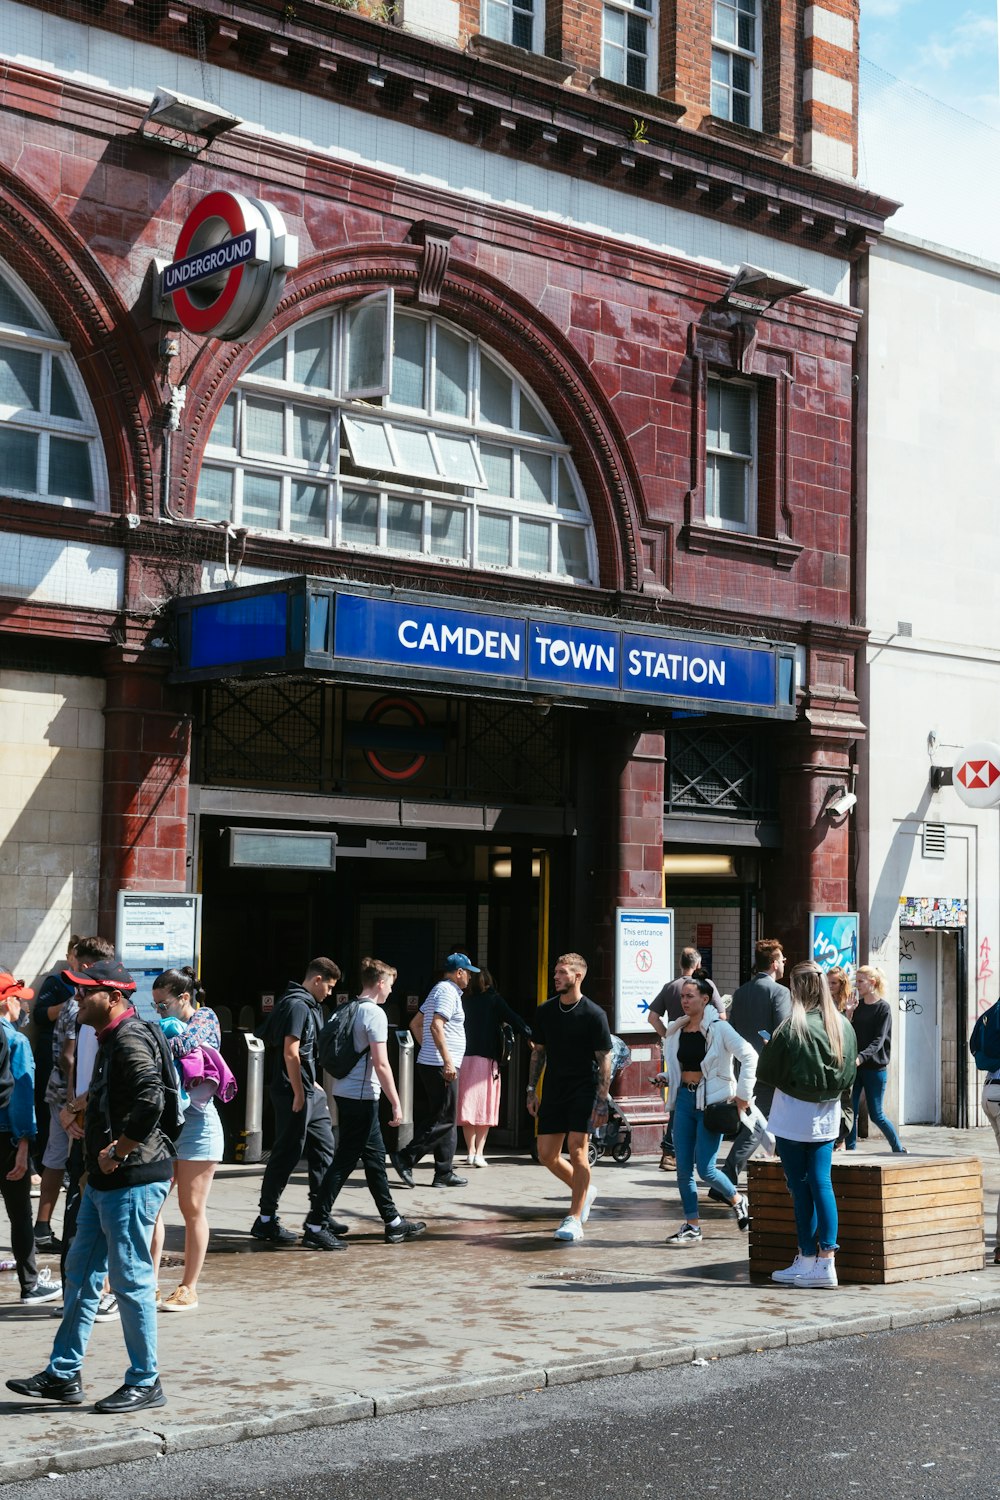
(460, 961)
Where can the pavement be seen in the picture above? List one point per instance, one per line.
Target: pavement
(486, 1303)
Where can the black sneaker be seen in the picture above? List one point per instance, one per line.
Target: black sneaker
(50, 1388)
(688, 1234)
(741, 1209)
(44, 1290)
(273, 1232)
(402, 1168)
(334, 1227)
(449, 1179)
(406, 1229)
(321, 1239)
(46, 1242)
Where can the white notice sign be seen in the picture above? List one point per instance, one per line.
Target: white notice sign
(644, 962)
(156, 931)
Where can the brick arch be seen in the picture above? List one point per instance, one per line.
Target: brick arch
(486, 309)
(90, 315)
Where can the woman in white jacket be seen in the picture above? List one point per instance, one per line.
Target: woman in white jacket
(698, 1053)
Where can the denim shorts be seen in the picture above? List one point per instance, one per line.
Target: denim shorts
(201, 1137)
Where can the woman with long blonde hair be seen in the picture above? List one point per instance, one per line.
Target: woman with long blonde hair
(809, 1061)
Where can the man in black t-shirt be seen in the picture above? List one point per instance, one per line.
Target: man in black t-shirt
(569, 1034)
(302, 1125)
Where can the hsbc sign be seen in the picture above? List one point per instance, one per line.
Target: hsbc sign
(228, 274)
(977, 774)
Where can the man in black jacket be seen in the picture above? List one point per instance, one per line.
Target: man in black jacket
(302, 1125)
(129, 1161)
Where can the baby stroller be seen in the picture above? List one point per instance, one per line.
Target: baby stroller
(616, 1136)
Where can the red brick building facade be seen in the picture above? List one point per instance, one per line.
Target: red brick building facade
(562, 249)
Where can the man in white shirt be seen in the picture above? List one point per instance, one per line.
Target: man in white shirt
(359, 1135)
(439, 1027)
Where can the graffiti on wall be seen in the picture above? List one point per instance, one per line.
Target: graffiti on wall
(984, 973)
(933, 911)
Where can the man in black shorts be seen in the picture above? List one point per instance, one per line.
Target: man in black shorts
(570, 1034)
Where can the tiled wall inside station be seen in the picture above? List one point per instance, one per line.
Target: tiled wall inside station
(725, 924)
(51, 776)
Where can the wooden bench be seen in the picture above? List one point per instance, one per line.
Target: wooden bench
(901, 1217)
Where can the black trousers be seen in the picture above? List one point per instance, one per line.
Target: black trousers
(436, 1128)
(17, 1202)
(359, 1138)
(308, 1133)
(74, 1196)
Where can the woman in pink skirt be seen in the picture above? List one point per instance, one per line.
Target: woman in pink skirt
(479, 1075)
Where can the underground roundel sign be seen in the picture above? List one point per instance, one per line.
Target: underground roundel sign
(977, 774)
(229, 268)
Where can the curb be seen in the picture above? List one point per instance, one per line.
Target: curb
(356, 1406)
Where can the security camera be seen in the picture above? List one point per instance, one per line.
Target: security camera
(841, 805)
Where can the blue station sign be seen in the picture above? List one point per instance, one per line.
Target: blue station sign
(308, 625)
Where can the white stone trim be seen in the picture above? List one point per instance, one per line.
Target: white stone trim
(827, 88)
(825, 154)
(436, 19)
(827, 26)
(54, 571)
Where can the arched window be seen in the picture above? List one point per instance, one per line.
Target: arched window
(49, 444)
(387, 431)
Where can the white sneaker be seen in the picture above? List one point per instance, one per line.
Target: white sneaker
(799, 1267)
(479, 1161)
(569, 1229)
(822, 1274)
(471, 1159)
(588, 1204)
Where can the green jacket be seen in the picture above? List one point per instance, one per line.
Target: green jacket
(805, 1067)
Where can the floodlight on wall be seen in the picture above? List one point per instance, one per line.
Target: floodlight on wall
(180, 123)
(754, 290)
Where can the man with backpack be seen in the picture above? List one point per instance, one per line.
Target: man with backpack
(302, 1125)
(131, 1110)
(984, 1044)
(352, 1047)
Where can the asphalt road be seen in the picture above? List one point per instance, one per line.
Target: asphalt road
(892, 1415)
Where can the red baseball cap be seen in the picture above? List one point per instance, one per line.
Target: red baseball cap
(13, 989)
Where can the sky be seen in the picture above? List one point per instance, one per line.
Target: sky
(929, 107)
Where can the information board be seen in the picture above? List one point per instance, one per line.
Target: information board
(644, 963)
(156, 931)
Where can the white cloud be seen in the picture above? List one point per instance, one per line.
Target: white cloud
(967, 39)
(884, 10)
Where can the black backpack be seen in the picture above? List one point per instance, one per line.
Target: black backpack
(335, 1050)
(6, 1073)
(172, 1118)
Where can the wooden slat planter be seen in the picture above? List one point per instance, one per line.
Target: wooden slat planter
(901, 1218)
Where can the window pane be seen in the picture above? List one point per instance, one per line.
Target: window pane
(740, 109)
(734, 420)
(451, 384)
(263, 426)
(732, 491)
(409, 339)
(308, 508)
(568, 498)
(311, 361)
(536, 478)
(637, 33)
(459, 460)
(533, 546)
(495, 23)
(494, 541)
(415, 453)
(272, 362)
(404, 524)
(613, 63)
(447, 531)
(359, 518)
(724, 23)
(720, 102)
(368, 443)
(223, 434)
(215, 495)
(747, 32)
(311, 435)
(498, 466)
(531, 418)
(636, 71)
(366, 346)
(712, 416)
(495, 394)
(522, 31)
(62, 402)
(20, 379)
(720, 67)
(571, 552)
(741, 74)
(69, 469)
(15, 311)
(614, 26)
(19, 459)
(261, 502)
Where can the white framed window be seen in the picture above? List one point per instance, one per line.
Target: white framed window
(731, 455)
(628, 43)
(736, 61)
(518, 22)
(50, 447)
(455, 460)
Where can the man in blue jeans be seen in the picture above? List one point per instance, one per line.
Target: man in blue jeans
(129, 1161)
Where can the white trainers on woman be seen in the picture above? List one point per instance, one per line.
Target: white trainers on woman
(800, 1266)
(822, 1274)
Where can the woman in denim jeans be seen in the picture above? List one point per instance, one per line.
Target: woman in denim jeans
(809, 1061)
(872, 1022)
